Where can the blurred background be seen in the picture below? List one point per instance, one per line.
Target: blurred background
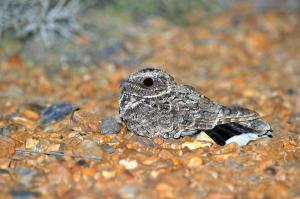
(83, 33)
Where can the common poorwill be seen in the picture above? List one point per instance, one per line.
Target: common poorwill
(153, 104)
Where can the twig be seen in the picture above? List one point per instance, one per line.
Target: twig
(57, 153)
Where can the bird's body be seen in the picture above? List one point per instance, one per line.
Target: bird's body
(153, 104)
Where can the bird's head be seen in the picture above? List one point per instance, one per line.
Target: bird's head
(147, 83)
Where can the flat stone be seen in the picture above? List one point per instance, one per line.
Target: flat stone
(109, 126)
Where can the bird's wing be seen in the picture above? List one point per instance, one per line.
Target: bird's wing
(192, 110)
(235, 114)
(189, 109)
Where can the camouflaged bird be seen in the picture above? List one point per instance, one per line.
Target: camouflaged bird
(153, 104)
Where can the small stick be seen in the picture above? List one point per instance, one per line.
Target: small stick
(57, 153)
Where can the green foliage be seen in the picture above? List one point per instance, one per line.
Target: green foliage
(173, 10)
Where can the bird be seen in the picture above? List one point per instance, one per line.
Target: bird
(152, 104)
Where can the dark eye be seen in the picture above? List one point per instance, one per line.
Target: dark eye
(148, 82)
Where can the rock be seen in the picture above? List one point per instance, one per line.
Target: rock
(89, 149)
(204, 137)
(165, 190)
(4, 162)
(166, 154)
(128, 191)
(107, 148)
(158, 140)
(26, 175)
(108, 174)
(277, 189)
(229, 148)
(53, 147)
(30, 114)
(231, 162)
(24, 194)
(196, 144)
(270, 171)
(85, 121)
(31, 143)
(129, 164)
(83, 163)
(225, 156)
(143, 140)
(192, 161)
(195, 162)
(109, 126)
(4, 131)
(4, 171)
(88, 144)
(220, 196)
(22, 121)
(6, 147)
(56, 112)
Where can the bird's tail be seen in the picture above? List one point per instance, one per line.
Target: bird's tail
(234, 132)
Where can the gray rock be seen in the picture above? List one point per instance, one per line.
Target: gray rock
(107, 148)
(231, 162)
(110, 126)
(24, 194)
(128, 191)
(4, 131)
(89, 144)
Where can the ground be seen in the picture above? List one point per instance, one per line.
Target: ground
(240, 58)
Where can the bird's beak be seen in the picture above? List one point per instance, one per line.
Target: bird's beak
(124, 84)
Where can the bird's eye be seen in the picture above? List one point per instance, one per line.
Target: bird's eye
(148, 82)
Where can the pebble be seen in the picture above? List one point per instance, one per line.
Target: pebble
(165, 190)
(52, 147)
(4, 171)
(86, 121)
(231, 162)
(225, 156)
(277, 189)
(143, 140)
(4, 131)
(196, 144)
(22, 121)
(204, 137)
(195, 162)
(24, 194)
(229, 148)
(4, 162)
(83, 163)
(128, 191)
(6, 147)
(107, 148)
(56, 112)
(88, 144)
(158, 140)
(219, 196)
(30, 114)
(129, 164)
(31, 143)
(270, 171)
(89, 149)
(108, 174)
(26, 175)
(166, 154)
(109, 126)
